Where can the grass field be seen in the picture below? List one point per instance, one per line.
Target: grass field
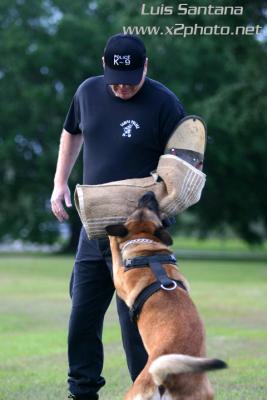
(34, 308)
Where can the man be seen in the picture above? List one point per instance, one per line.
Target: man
(123, 119)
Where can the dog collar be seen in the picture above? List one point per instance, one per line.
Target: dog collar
(139, 240)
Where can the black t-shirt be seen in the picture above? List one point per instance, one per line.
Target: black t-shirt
(123, 139)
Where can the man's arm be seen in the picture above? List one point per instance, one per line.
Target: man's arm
(69, 149)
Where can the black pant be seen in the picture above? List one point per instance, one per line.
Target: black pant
(91, 290)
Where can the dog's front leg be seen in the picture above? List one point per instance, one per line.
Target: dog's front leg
(116, 255)
(117, 266)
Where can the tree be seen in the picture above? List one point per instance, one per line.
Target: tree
(49, 47)
(45, 54)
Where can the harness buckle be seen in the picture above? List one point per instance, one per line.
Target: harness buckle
(128, 262)
(171, 286)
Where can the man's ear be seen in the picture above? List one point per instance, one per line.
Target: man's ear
(117, 230)
(164, 236)
(146, 66)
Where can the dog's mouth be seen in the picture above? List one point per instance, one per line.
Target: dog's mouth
(148, 200)
(143, 223)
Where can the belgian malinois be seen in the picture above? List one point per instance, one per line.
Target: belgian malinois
(168, 321)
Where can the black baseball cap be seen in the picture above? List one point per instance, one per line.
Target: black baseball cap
(124, 57)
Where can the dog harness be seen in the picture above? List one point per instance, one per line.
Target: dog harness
(162, 280)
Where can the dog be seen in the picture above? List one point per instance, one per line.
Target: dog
(168, 321)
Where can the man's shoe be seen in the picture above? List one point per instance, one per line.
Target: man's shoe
(83, 397)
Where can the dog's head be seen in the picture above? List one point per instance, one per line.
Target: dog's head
(144, 221)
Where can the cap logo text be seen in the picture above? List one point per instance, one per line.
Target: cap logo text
(125, 60)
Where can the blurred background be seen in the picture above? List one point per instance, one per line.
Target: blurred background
(49, 47)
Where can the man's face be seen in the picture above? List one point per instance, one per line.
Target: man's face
(125, 92)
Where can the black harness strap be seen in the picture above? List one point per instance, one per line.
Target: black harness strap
(141, 299)
(144, 261)
(159, 272)
(155, 263)
(144, 295)
(163, 281)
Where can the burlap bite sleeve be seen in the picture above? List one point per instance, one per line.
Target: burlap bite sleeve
(180, 187)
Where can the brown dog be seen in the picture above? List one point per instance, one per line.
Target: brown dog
(169, 324)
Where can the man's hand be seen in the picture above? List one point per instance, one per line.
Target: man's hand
(70, 146)
(60, 193)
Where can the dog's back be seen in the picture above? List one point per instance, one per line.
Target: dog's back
(169, 324)
(173, 334)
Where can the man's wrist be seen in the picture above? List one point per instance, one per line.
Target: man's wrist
(60, 182)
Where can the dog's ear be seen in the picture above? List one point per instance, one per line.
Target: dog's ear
(164, 236)
(117, 230)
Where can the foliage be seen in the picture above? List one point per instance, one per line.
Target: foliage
(48, 47)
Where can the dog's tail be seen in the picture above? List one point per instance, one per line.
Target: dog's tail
(180, 364)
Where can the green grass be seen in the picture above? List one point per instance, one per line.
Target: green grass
(34, 308)
(217, 244)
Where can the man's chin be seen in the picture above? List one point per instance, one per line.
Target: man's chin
(125, 96)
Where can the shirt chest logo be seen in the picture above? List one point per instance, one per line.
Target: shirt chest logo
(128, 127)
